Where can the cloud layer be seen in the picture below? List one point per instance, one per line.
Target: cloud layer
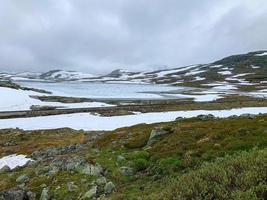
(98, 36)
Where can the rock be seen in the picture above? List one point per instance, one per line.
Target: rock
(179, 118)
(71, 187)
(247, 115)
(206, 117)
(217, 145)
(203, 140)
(37, 107)
(45, 195)
(109, 187)
(126, 171)
(53, 151)
(68, 164)
(120, 158)
(23, 178)
(5, 169)
(233, 117)
(10, 143)
(92, 170)
(31, 195)
(53, 172)
(156, 133)
(101, 181)
(91, 194)
(13, 194)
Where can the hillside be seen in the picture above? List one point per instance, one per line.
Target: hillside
(197, 158)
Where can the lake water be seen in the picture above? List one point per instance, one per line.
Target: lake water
(104, 90)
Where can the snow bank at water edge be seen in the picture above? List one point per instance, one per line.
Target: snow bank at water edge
(13, 161)
(16, 100)
(91, 122)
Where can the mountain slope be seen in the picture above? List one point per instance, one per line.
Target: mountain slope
(240, 70)
(61, 75)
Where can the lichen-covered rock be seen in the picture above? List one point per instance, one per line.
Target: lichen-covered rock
(13, 194)
(5, 169)
(250, 116)
(45, 194)
(53, 151)
(71, 187)
(92, 170)
(109, 187)
(90, 194)
(156, 133)
(206, 117)
(120, 158)
(126, 171)
(23, 178)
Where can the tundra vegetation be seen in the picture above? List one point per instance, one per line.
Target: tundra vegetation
(197, 158)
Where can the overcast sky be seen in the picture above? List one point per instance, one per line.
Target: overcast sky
(98, 36)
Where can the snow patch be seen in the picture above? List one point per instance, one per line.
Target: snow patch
(90, 122)
(13, 161)
(225, 72)
(262, 54)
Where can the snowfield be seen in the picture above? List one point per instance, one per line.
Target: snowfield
(17, 100)
(91, 122)
(13, 161)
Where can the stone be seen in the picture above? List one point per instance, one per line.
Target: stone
(156, 133)
(126, 171)
(120, 158)
(23, 178)
(16, 194)
(44, 194)
(31, 195)
(91, 194)
(206, 117)
(101, 181)
(92, 170)
(71, 187)
(109, 187)
(250, 116)
(5, 169)
(179, 118)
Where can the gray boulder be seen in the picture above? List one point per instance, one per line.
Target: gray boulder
(155, 133)
(250, 116)
(101, 181)
(91, 194)
(126, 171)
(206, 117)
(120, 158)
(23, 178)
(5, 169)
(109, 187)
(92, 170)
(13, 194)
(71, 187)
(31, 195)
(45, 195)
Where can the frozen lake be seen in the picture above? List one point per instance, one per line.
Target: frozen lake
(104, 90)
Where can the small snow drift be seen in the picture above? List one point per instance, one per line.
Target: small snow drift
(13, 161)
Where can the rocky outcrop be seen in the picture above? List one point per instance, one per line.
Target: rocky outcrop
(54, 151)
(155, 133)
(15, 194)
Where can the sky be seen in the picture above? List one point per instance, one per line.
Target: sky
(98, 36)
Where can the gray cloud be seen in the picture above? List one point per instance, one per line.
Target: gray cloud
(98, 36)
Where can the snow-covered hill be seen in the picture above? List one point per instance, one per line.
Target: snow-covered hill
(239, 70)
(61, 75)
